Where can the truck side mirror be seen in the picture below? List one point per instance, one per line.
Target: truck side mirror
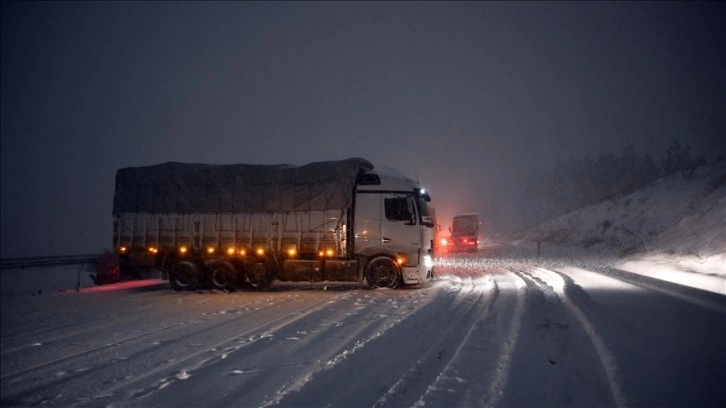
(427, 221)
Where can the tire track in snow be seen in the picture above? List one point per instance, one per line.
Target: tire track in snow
(558, 284)
(89, 328)
(56, 373)
(50, 332)
(478, 371)
(498, 383)
(269, 363)
(355, 390)
(434, 361)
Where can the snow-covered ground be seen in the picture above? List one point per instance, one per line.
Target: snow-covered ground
(491, 332)
(674, 230)
(578, 325)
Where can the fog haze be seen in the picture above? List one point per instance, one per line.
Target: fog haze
(469, 98)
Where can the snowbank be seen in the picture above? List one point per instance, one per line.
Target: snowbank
(674, 229)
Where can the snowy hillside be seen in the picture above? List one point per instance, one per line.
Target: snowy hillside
(676, 224)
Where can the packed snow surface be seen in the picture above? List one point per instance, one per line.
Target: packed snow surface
(490, 331)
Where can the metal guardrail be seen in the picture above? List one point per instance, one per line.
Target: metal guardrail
(19, 263)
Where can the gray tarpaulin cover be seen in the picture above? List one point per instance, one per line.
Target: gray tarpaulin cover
(198, 188)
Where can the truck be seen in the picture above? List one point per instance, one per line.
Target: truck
(464, 233)
(238, 226)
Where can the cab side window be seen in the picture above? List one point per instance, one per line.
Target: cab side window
(400, 209)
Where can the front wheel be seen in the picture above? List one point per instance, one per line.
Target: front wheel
(184, 276)
(383, 272)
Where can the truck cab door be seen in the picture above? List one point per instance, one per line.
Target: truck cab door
(386, 219)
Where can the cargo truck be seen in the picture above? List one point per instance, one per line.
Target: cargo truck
(464, 233)
(242, 225)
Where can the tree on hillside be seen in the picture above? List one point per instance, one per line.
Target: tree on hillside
(573, 183)
(678, 158)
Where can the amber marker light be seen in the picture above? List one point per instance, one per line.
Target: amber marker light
(243, 251)
(210, 250)
(329, 252)
(400, 260)
(230, 251)
(183, 250)
(292, 251)
(122, 249)
(260, 251)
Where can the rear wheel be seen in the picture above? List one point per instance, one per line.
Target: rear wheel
(261, 274)
(222, 276)
(184, 276)
(383, 272)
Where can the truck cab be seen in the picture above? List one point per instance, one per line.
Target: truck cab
(393, 224)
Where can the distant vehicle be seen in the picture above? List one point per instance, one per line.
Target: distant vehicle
(464, 233)
(224, 226)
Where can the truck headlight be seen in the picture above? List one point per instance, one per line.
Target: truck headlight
(428, 261)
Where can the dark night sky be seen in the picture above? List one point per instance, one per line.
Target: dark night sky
(471, 98)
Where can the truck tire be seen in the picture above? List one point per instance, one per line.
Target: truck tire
(261, 274)
(222, 276)
(184, 276)
(383, 272)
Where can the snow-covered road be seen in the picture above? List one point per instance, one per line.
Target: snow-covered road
(486, 333)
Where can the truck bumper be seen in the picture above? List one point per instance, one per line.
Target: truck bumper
(413, 275)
